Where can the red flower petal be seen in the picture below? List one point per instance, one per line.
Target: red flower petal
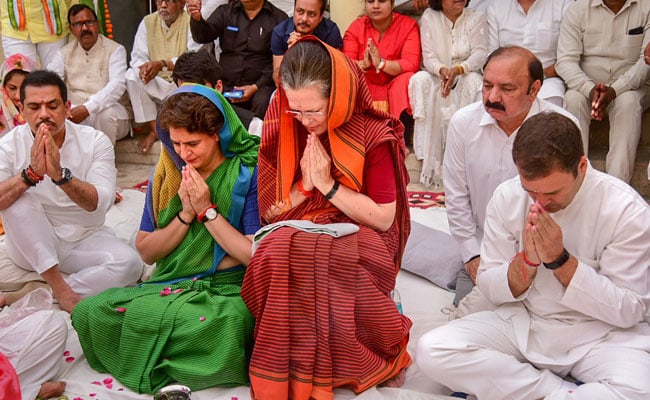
(120, 309)
(69, 359)
(66, 353)
(202, 319)
(92, 394)
(98, 383)
(109, 385)
(108, 380)
(177, 291)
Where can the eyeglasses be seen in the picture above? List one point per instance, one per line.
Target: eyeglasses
(88, 23)
(159, 2)
(307, 114)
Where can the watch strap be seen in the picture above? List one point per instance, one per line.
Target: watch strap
(564, 257)
(66, 176)
(202, 217)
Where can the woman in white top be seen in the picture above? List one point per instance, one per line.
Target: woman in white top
(454, 48)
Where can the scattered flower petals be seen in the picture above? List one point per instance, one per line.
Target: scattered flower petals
(98, 383)
(92, 394)
(120, 389)
(202, 319)
(166, 292)
(109, 385)
(120, 309)
(195, 279)
(69, 359)
(108, 380)
(177, 291)
(78, 398)
(66, 353)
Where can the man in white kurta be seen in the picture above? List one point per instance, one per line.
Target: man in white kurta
(477, 156)
(600, 57)
(535, 25)
(93, 68)
(57, 181)
(565, 258)
(161, 37)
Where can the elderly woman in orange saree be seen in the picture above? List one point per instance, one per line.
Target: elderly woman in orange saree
(323, 313)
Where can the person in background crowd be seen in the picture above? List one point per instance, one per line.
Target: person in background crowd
(386, 47)
(454, 49)
(244, 31)
(600, 57)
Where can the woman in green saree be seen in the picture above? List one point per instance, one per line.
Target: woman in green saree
(188, 323)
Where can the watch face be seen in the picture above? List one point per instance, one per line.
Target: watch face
(211, 214)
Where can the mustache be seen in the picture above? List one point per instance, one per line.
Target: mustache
(86, 33)
(45, 121)
(496, 106)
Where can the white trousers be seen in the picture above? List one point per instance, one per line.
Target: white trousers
(34, 346)
(625, 115)
(114, 121)
(45, 52)
(146, 98)
(98, 262)
(479, 355)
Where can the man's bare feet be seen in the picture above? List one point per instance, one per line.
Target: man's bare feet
(51, 389)
(396, 381)
(145, 143)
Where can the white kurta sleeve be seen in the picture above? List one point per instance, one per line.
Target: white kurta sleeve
(618, 290)
(140, 52)
(458, 202)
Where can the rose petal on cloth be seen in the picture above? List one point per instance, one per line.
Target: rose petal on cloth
(78, 398)
(195, 279)
(69, 359)
(98, 383)
(66, 353)
(120, 389)
(108, 380)
(109, 385)
(202, 319)
(177, 291)
(92, 394)
(120, 309)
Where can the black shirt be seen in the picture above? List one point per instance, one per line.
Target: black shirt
(246, 57)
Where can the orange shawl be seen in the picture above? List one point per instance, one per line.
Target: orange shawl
(354, 128)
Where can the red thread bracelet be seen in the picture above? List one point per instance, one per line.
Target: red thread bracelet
(301, 189)
(527, 261)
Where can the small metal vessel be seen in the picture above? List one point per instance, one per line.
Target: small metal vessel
(173, 392)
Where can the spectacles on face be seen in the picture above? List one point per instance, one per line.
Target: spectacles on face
(88, 23)
(159, 2)
(307, 114)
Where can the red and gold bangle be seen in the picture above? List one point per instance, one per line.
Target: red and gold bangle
(527, 261)
(301, 189)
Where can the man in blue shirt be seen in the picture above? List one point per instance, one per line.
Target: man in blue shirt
(308, 19)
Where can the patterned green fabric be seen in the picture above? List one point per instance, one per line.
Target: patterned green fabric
(147, 340)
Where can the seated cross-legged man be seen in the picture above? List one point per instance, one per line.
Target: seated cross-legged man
(57, 181)
(565, 260)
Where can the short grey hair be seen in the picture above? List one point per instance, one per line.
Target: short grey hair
(307, 63)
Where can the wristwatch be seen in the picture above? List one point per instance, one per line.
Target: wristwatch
(66, 176)
(164, 65)
(209, 214)
(564, 257)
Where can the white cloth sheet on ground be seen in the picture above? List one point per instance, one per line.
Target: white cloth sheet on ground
(421, 301)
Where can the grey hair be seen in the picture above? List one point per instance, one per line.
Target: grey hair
(307, 63)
